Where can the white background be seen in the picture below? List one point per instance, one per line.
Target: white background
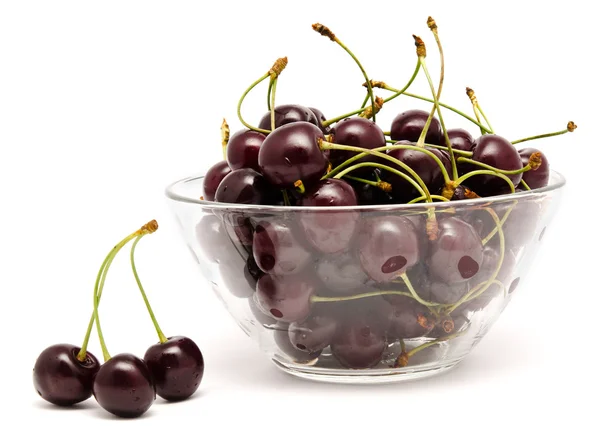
(102, 104)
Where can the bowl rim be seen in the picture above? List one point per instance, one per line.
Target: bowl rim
(557, 181)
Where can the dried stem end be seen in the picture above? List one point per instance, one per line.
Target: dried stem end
(224, 133)
(425, 322)
(471, 95)
(448, 325)
(571, 126)
(402, 360)
(432, 24)
(448, 190)
(298, 184)
(376, 84)
(535, 161)
(368, 112)
(150, 227)
(470, 194)
(385, 186)
(324, 30)
(278, 67)
(431, 227)
(421, 51)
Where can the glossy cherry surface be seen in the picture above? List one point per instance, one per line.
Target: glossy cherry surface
(408, 126)
(213, 178)
(408, 318)
(177, 367)
(314, 333)
(357, 132)
(320, 120)
(291, 153)
(282, 340)
(387, 247)
(277, 249)
(460, 139)
(124, 386)
(359, 343)
(457, 253)
(539, 177)
(341, 273)
(287, 114)
(60, 378)
(242, 149)
(286, 298)
(329, 231)
(245, 186)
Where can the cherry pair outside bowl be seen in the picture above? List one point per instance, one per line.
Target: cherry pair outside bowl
(366, 294)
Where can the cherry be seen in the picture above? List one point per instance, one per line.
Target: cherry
(282, 339)
(446, 293)
(387, 247)
(277, 250)
(240, 229)
(258, 316)
(425, 167)
(498, 152)
(367, 194)
(408, 126)
(124, 386)
(287, 114)
(291, 153)
(359, 343)
(61, 378)
(459, 320)
(457, 253)
(177, 367)
(539, 177)
(252, 272)
(245, 186)
(212, 239)
(320, 120)
(242, 149)
(408, 318)
(314, 333)
(213, 178)
(341, 273)
(286, 298)
(237, 283)
(460, 139)
(358, 132)
(330, 231)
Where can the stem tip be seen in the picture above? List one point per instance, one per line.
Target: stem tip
(402, 360)
(571, 126)
(432, 24)
(150, 227)
(324, 30)
(375, 84)
(368, 112)
(535, 160)
(278, 67)
(421, 51)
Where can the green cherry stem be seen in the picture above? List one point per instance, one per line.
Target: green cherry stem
(161, 336)
(320, 299)
(424, 346)
(570, 128)
(525, 185)
(486, 172)
(101, 278)
(365, 101)
(502, 222)
(440, 147)
(273, 90)
(269, 95)
(239, 106)
(286, 198)
(527, 167)
(414, 293)
(422, 198)
(386, 187)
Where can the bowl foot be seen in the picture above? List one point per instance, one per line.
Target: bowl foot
(363, 377)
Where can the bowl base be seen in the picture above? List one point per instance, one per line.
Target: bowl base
(363, 377)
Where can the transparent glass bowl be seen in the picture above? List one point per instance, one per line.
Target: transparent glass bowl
(378, 305)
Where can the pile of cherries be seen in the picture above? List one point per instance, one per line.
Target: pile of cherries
(125, 385)
(358, 279)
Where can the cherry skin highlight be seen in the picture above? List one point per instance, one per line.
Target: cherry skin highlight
(242, 149)
(245, 186)
(539, 177)
(213, 178)
(60, 378)
(177, 367)
(320, 120)
(408, 126)
(357, 132)
(288, 114)
(277, 250)
(285, 298)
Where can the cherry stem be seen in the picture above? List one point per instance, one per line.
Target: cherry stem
(502, 221)
(525, 185)
(386, 168)
(541, 136)
(239, 106)
(386, 187)
(486, 172)
(366, 100)
(224, 137)
(269, 94)
(273, 86)
(439, 112)
(525, 168)
(485, 117)
(440, 147)
(402, 91)
(424, 346)
(161, 336)
(286, 198)
(332, 146)
(422, 198)
(484, 286)
(317, 299)
(414, 293)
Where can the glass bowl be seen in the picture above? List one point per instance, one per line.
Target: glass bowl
(366, 294)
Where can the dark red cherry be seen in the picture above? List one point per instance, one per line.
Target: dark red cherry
(359, 343)
(329, 231)
(370, 195)
(233, 274)
(285, 298)
(320, 120)
(291, 153)
(425, 167)
(213, 240)
(314, 333)
(444, 327)
(177, 367)
(213, 178)
(357, 132)
(245, 186)
(258, 317)
(457, 253)
(387, 247)
(408, 318)
(446, 293)
(124, 386)
(277, 250)
(60, 378)
(539, 177)
(408, 126)
(287, 114)
(282, 340)
(342, 273)
(498, 152)
(242, 149)
(252, 272)
(460, 139)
